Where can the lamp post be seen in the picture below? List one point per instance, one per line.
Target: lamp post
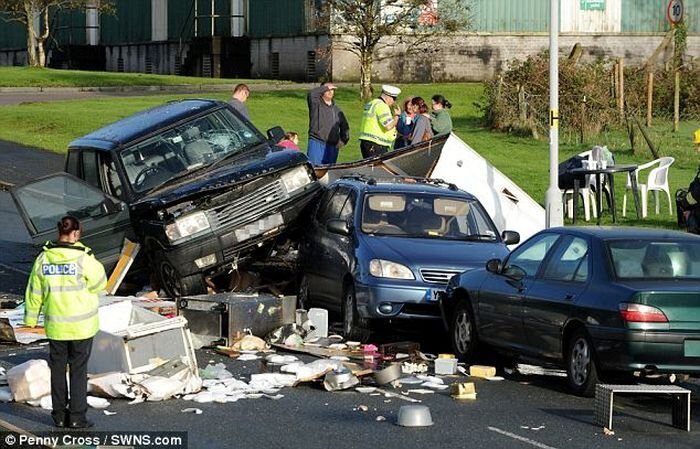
(553, 202)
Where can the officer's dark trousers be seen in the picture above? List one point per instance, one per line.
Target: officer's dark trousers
(74, 355)
(370, 149)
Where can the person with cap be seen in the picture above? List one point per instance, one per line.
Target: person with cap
(379, 119)
(64, 281)
(328, 127)
(240, 95)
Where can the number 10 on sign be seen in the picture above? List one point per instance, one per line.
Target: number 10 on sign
(674, 12)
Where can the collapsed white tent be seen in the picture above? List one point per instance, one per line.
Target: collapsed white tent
(449, 158)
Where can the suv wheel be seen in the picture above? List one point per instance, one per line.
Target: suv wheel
(354, 327)
(581, 365)
(463, 332)
(177, 286)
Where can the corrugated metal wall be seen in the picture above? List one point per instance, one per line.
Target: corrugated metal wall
(276, 18)
(130, 23)
(12, 34)
(577, 18)
(222, 25)
(502, 16)
(70, 28)
(643, 16)
(180, 19)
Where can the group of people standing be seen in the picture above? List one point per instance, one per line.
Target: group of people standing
(384, 125)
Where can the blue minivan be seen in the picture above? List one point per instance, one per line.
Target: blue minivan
(384, 249)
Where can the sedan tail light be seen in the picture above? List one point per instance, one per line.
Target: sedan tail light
(639, 313)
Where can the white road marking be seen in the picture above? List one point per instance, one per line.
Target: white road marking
(16, 270)
(519, 438)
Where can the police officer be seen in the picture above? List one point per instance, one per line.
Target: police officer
(378, 128)
(65, 280)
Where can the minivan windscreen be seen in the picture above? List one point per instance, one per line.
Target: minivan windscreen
(186, 147)
(421, 215)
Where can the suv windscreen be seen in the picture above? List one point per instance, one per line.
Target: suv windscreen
(186, 147)
(421, 215)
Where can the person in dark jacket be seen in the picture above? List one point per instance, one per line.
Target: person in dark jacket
(240, 95)
(328, 128)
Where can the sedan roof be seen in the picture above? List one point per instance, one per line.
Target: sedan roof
(626, 232)
(142, 124)
(388, 186)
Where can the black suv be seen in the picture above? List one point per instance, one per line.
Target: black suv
(196, 184)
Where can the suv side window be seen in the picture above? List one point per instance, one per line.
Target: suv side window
(89, 169)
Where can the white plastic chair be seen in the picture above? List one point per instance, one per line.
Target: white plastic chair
(587, 194)
(657, 181)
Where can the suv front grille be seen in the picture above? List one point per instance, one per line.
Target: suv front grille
(438, 276)
(250, 206)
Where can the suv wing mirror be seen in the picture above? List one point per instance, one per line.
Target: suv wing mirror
(338, 226)
(276, 134)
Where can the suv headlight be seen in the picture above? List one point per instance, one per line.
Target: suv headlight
(386, 269)
(296, 179)
(187, 226)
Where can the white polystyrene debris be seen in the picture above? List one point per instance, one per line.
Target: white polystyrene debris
(434, 385)
(46, 402)
(217, 371)
(292, 367)
(108, 413)
(96, 402)
(280, 359)
(203, 397)
(196, 411)
(431, 379)
(247, 357)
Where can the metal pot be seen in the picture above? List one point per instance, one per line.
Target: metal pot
(388, 374)
(414, 416)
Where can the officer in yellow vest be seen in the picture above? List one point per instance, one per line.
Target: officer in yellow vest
(696, 140)
(65, 280)
(378, 128)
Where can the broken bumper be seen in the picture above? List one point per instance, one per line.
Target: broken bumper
(228, 245)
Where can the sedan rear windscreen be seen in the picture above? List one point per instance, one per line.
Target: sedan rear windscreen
(641, 259)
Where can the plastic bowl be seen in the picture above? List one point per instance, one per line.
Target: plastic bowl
(414, 416)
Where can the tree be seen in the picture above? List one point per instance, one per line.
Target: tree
(368, 27)
(38, 16)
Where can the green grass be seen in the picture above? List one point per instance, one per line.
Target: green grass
(38, 77)
(53, 125)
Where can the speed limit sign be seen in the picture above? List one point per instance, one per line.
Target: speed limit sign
(674, 12)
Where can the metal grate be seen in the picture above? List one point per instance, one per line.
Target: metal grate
(248, 207)
(120, 64)
(149, 65)
(438, 276)
(275, 65)
(206, 66)
(310, 65)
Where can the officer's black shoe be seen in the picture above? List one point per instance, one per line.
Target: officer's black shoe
(81, 424)
(59, 423)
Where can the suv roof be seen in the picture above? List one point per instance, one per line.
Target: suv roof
(143, 123)
(401, 184)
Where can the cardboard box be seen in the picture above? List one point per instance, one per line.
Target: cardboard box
(482, 371)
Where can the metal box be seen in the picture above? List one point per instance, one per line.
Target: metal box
(218, 318)
(132, 339)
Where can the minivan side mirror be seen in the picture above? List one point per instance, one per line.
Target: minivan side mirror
(276, 134)
(493, 265)
(510, 237)
(338, 226)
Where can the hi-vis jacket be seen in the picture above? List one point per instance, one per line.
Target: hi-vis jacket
(375, 119)
(65, 280)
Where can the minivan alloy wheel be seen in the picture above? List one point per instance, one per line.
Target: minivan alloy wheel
(463, 331)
